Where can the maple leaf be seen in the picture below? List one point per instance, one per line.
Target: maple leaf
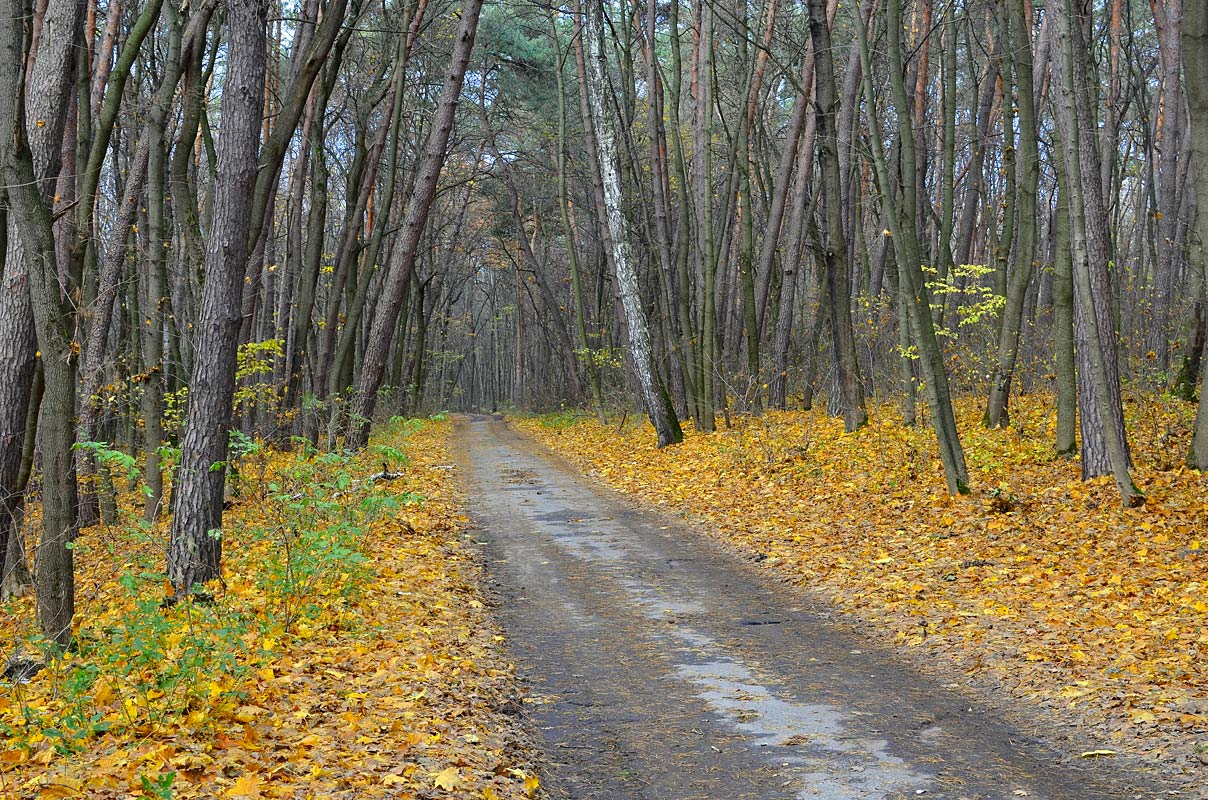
(247, 786)
(448, 778)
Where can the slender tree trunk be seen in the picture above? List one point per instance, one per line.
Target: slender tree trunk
(905, 237)
(402, 261)
(584, 351)
(834, 243)
(151, 286)
(1019, 53)
(1102, 416)
(658, 405)
(707, 252)
(1168, 267)
(1195, 69)
(195, 546)
(1066, 443)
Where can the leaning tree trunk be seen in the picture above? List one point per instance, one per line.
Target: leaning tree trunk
(1195, 68)
(402, 257)
(903, 227)
(658, 405)
(195, 546)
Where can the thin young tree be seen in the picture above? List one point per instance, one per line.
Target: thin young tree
(904, 233)
(1195, 70)
(833, 246)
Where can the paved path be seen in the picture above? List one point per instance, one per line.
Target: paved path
(664, 669)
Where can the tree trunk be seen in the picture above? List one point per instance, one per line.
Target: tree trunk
(584, 351)
(402, 260)
(658, 405)
(30, 165)
(1066, 443)
(1102, 415)
(1195, 68)
(906, 249)
(17, 364)
(834, 243)
(1019, 53)
(195, 546)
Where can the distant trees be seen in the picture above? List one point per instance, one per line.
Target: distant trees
(958, 238)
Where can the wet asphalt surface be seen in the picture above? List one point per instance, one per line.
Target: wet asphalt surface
(662, 668)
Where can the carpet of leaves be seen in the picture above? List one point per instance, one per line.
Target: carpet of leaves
(1038, 585)
(379, 675)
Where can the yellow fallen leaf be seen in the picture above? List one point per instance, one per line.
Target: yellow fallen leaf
(1096, 753)
(61, 786)
(447, 779)
(246, 786)
(530, 785)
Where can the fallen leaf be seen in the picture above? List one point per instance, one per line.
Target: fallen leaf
(447, 779)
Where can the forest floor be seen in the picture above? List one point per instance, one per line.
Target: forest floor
(1037, 588)
(349, 654)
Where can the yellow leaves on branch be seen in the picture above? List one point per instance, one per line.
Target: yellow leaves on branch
(1039, 581)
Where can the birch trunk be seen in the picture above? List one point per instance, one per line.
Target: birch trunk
(658, 405)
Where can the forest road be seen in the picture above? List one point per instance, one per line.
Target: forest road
(662, 668)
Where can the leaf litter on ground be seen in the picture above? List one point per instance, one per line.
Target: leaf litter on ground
(1038, 585)
(349, 652)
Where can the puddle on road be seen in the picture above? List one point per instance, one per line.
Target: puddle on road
(812, 744)
(809, 740)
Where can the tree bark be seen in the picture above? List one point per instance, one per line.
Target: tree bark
(17, 363)
(195, 545)
(1101, 414)
(31, 145)
(658, 405)
(834, 242)
(1195, 69)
